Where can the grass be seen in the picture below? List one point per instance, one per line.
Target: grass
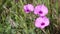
(13, 19)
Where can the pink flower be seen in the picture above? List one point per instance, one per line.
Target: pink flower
(42, 22)
(41, 10)
(28, 8)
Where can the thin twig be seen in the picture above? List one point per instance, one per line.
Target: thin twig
(44, 31)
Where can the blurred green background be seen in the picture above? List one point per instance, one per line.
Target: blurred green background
(13, 19)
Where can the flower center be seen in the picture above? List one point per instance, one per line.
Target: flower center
(40, 12)
(27, 10)
(42, 23)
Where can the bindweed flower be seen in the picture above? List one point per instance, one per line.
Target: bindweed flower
(42, 22)
(28, 8)
(41, 10)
